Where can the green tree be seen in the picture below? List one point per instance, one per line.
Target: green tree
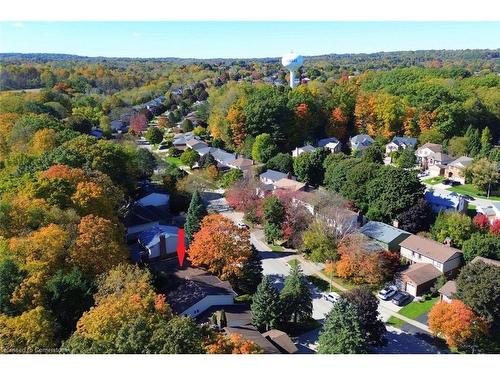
(196, 212)
(251, 274)
(336, 173)
(10, 278)
(407, 158)
(281, 162)
(207, 160)
(266, 307)
(485, 245)
(187, 125)
(477, 286)
(296, 298)
(229, 178)
(222, 319)
(79, 124)
(458, 146)
(154, 135)
(367, 306)
(356, 182)
(105, 125)
(373, 154)
(484, 174)
(264, 148)
(274, 211)
(69, 295)
(308, 166)
(417, 218)
(474, 141)
(189, 157)
(454, 225)
(486, 142)
(317, 242)
(342, 331)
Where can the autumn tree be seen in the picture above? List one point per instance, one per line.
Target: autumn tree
(98, 246)
(481, 222)
(234, 344)
(455, 322)
(44, 140)
(220, 246)
(138, 123)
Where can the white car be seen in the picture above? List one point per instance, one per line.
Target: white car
(332, 297)
(241, 225)
(387, 292)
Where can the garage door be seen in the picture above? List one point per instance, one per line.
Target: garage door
(412, 289)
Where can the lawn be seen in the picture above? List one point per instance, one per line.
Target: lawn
(294, 261)
(415, 309)
(300, 328)
(433, 180)
(471, 190)
(243, 298)
(275, 248)
(395, 322)
(346, 283)
(322, 284)
(173, 160)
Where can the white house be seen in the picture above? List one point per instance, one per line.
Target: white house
(198, 291)
(492, 211)
(159, 241)
(331, 143)
(447, 291)
(431, 155)
(400, 143)
(154, 199)
(301, 150)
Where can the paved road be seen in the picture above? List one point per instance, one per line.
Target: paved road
(275, 265)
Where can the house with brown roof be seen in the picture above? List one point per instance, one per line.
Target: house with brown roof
(456, 169)
(447, 291)
(428, 260)
(290, 185)
(430, 156)
(240, 163)
(281, 340)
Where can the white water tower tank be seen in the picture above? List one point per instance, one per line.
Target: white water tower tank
(292, 62)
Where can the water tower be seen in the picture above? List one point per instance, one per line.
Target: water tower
(292, 62)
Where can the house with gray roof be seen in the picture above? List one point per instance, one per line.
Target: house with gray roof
(456, 169)
(400, 143)
(301, 150)
(385, 235)
(331, 143)
(361, 142)
(445, 201)
(270, 177)
(159, 241)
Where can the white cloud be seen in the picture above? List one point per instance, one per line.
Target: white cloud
(18, 25)
(136, 35)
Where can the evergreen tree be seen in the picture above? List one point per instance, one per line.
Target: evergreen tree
(342, 332)
(474, 141)
(296, 296)
(196, 212)
(223, 319)
(486, 142)
(266, 307)
(251, 274)
(10, 278)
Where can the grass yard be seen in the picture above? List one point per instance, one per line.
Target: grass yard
(243, 298)
(293, 262)
(395, 322)
(300, 328)
(471, 190)
(321, 284)
(346, 283)
(433, 180)
(275, 248)
(415, 309)
(172, 160)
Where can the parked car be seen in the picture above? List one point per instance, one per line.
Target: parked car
(468, 197)
(163, 147)
(423, 174)
(332, 297)
(401, 298)
(387, 292)
(241, 225)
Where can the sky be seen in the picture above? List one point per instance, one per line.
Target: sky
(241, 39)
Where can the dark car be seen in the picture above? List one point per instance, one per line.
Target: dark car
(446, 182)
(468, 197)
(401, 298)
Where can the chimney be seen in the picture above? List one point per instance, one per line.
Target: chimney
(395, 224)
(447, 241)
(163, 246)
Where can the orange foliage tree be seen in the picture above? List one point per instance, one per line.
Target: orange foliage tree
(456, 322)
(337, 126)
(98, 246)
(220, 246)
(234, 344)
(361, 265)
(236, 120)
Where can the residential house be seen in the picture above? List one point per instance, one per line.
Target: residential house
(441, 200)
(455, 170)
(223, 158)
(290, 185)
(437, 164)
(195, 144)
(331, 143)
(242, 164)
(281, 340)
(197, 291)
(156, 199)
(492, 211)
(301, 150)
(270, 177)
(159, 242)
(428, 260)
(180, 140)
(96, 133)
(117, 126)
(141, 218)
(447, 291)
(400, 143)
(387, 236)
(361, 142)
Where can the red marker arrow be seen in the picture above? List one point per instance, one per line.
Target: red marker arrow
(181, 246)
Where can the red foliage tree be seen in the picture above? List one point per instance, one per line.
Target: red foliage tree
(138, 123)
(481, 222)
(495, 227)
